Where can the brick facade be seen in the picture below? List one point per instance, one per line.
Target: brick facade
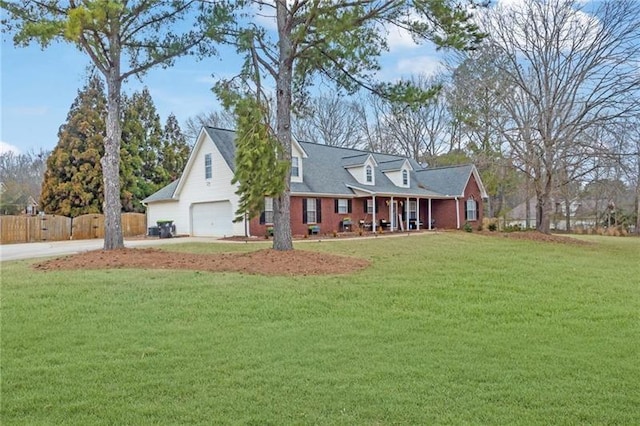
(443, 213)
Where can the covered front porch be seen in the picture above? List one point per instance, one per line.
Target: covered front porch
(393, 213)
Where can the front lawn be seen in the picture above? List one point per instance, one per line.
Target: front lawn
(447, 328)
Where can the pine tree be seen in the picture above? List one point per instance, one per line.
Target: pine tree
(141, 151)
(123, 39)
(73, 181)
(175, 149)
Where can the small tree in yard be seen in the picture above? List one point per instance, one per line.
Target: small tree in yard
(122, 38)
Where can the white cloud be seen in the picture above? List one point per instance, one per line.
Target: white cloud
(29, 111)
(399, 38)
(425, 65)
(576, 30)
(7, 147)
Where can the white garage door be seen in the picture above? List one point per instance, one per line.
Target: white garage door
(212, 219)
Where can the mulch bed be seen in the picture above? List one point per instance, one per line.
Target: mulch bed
(536, 236)
(261, 262)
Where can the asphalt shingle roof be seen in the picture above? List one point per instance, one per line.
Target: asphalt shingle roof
(164, 194)
(225, 141)
(449, 180)
(325, 172)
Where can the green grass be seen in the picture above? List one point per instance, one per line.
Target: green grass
(451, 328)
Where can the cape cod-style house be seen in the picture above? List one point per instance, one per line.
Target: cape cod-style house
(332, 190)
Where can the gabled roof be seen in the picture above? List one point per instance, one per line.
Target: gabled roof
(357, 160)
(449, 180)
(225, 141)
(394, 165)
(325, 172)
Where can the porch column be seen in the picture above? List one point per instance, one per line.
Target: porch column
(391, 213)
(406, 214)
(373, 223)
(457, 213)
(429, 218)
(417, 214)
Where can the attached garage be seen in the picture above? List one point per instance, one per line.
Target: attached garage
(213, 219)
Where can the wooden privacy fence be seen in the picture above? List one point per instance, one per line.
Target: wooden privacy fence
(28, 229)
(87, 227)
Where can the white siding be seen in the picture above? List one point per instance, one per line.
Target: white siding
(395, 177)
(295, 152)
(359, 173)
(166, 210)
(195, 188)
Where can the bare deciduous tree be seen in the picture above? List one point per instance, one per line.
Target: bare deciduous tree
(573, 71)
(332, 120)
(222, 119)
(20, 177)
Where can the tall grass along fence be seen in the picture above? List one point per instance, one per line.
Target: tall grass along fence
(29, 229)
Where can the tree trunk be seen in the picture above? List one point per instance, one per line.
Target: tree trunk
(527, 204)
(638, 194)
(544, 209)
(282, 238)
(543, 214)
(111, 164)
(567, 214)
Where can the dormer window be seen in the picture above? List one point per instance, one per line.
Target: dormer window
(369, 174)
(295, 167)
(405, 178)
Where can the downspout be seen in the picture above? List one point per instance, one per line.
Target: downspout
(457, 214)
(430, 220)
(417, 214)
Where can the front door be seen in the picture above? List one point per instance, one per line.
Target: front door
(393, 214)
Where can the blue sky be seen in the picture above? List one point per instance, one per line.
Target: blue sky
(38, 86)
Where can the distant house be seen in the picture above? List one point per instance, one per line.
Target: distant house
(31, 208)
(332, 189)
(581, 214)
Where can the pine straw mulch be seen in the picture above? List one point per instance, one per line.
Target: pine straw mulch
(536, 236)
(260, 262)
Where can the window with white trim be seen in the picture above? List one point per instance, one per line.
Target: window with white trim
(207, 166)
(295, 166)
(413, 211)
(472, 209)
(343, 206)
(369, 174)
(311, 210)
(369, 206)
(405, 178)
(268, 210)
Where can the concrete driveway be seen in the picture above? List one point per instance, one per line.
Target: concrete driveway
(59, 248)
